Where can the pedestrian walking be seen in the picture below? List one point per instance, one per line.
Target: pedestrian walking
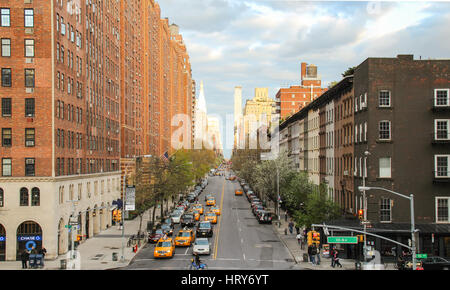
(43, 252)
(291, 227)
(332, 256)
(299, 238)
(285, 216)
(313, 254)
(24, 257)
(336, 259)
(297, 229)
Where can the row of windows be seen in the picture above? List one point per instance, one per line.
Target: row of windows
(24, 197)
(7, 107)
(29, 77)
(28, 47)
(5, 17)
(74, 166)
(30, 137)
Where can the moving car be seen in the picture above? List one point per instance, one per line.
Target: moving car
(176, 216)
(196, 214)
(435, 263)
(167, 229)
(211, 201)
(201, 247)
(211, 217)
(204, 229)
(238, 192)
(185, 237)
(208, 196)
(165, 248)
(198, 207)
(187, 219)
(155, 236)
(216, 210)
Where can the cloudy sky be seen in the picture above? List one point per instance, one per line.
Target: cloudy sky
(261, 43)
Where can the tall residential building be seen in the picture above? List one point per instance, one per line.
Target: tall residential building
(60, 122)
(237, 114)
(293, 99)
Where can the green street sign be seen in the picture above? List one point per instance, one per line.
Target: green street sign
(68, 226)
(421, 256)
(342, 240)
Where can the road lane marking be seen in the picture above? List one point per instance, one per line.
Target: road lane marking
(216, 243)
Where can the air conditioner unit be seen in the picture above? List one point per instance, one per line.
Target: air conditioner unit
(345, 172)
(363, 105)
(29, 143)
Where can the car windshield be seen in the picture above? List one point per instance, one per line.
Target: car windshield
(188, 216)
(159, 232)
(165, 227)
(175, 214)
(202, 242)
(164, 244)
(184, 234)
(211, 214)
(204, 226)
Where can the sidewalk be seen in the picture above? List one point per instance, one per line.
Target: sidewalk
(96, 253)
(291, 243)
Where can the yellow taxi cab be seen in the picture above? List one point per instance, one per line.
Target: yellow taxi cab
(196, 215)
(198, 207)
(216, 210)
(165, 248)
(238, 192)
(211, 217)
(211, 201)
(185, 237)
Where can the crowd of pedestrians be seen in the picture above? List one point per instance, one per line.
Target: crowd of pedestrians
(29, 257)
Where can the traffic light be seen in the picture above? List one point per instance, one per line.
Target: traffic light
(361, 214)
(360, 238)
(117, 215)
(310, 238)
(79, 237)
(316, 237)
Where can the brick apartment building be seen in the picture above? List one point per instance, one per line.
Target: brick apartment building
(388, 124)
(84, 85)
(293, 99)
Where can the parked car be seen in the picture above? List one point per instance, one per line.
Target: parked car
(201, 247)
(257, 207)
(436, 263)
(264, 216)
(154, 237)
(204, 229)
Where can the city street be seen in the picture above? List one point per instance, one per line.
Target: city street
(239, 241)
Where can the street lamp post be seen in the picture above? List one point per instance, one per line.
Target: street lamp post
(366, 153)
(413, 230)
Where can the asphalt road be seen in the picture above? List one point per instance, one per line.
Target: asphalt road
(238, 242)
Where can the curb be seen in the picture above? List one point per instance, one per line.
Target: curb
(284, 243)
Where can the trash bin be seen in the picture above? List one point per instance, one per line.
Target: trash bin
(358, 266)
(114, 256)
(63, 264)
(305, 258)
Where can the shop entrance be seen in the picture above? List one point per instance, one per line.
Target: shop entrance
(29, 235)
(2, 243)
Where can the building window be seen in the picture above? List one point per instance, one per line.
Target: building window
(5, 17)
(29, 107)
(6, 137)
(29, 17)
(2, 198)
(30, 136)
(385, 210)
(35, 197)
(384, 99)
(441, 166)
(385, 130)
(29, 47)
(442, 209)
(385, 167)
(441, 97)
(441, 129)
(23, 196)
(29, 77)
(6, 167)
(6, 77)
(6, 47)
(6, 107)
(30, 169)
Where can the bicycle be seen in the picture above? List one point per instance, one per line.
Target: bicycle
(194, 266)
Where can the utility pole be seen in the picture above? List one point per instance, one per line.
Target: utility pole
(122, 258)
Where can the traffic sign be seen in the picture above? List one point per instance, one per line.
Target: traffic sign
(342, 240)
(421, 256)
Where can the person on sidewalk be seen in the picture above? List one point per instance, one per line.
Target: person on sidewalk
(299, 239)
(43, 251)
(24, 257)
(332, 256)
(291, 227)
(336, 259)
(317, 249)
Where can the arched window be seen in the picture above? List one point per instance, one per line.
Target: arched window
(23, 196)
(2, 200)
(35, 197)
